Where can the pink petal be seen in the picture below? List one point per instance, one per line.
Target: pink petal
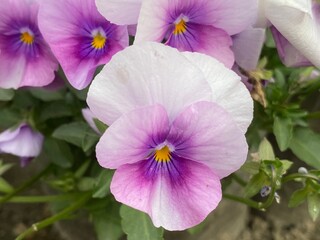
(206, 133)
(131, 138)
(174, 204)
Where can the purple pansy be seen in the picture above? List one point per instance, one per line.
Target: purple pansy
(22, 141)
(25, 58)
(80, 37)
(177, 124)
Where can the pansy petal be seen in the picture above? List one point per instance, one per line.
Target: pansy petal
(89, 117)
(227, 89)
(175, 201)
(121, 12)
(132, 137)
(26, 144)
(247, 47)
(288, 54)
(143, 75)
(299, 23)
(9, 134)
(11, 70)
(204, 39)
(206, 133)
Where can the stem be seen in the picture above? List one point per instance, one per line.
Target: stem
(294, 176)
(25, 185)
(42, 199)
(239, 180)
(247, 201)
(59, 216)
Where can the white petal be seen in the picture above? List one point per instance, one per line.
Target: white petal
(146, 74)
(298, 24)
(227, 89)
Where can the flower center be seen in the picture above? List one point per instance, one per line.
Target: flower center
(180, 27)
(99, 39)
(27, 37)
(163, 154)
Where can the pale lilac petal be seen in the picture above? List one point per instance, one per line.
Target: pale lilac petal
(27, 143)
(89, 117)
(247, 47)
(9, 134)
(299, 23)
(133, 136)
(206, 133)
(262, 21)
(174, 202)
(205, 39)
(227, 89)
(143, 75)
(121, 12)
(288, 54)
(11, 70)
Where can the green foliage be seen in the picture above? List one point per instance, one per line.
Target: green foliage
(58, 152)
(6, 94)
(314, 205)
(283, 130)
(102, 184)
(137, 225)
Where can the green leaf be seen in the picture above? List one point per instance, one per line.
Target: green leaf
(5, 187)
(86, 184)
(286, 164)
(305, 145)
(9, 118)
(6, 94)
(283, 130)
(251, 167)
(47, 95)
(137, 225)
(55, 109)
(77, 133)
(100, 125)
(58, 152)
(265, 150)
(314, 205)
(107, 223)
(5, 167)
(255, 184)
(102, 186)
(298, 197)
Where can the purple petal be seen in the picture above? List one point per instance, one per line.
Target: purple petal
(204, 39)
(10, 134)
(132, 137)
(206, 133)
(288, 54)
(175, 200)
(27, 143)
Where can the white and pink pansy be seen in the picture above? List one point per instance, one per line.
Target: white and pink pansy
(177, 123)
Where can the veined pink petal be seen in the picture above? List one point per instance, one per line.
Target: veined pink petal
(173, 202)
(133, 136)
(227, 89)
(121, 12)
(206, 133)
(299, 22)
(143, 75)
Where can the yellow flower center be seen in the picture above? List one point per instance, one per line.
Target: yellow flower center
(98, 41)
(180, 27)
(27, 38)
(163, 154)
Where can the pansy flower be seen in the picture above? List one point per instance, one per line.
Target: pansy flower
(296, 30)
(80, 37)
(177, 124)
(25, 58)
(22, 141)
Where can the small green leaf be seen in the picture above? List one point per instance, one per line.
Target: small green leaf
(255, 184)
(102, 185)
(251, 167)
(6, 94)
(265, 150)
(285, 166)
(314, 205)
(298, 197)
(9, 117)
(137, 225)
(47, 95)
(86, 184)
(5, 167)
(305, 145)
(89, 139)
(56, 109)
(100, 125)
(283, 130)
(58, 152)
(5, 187)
